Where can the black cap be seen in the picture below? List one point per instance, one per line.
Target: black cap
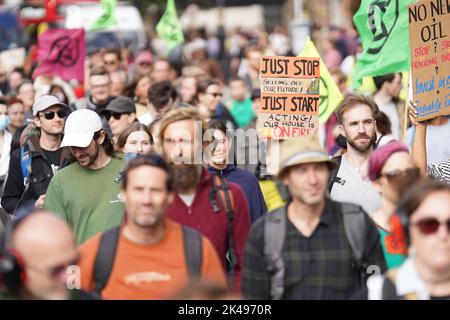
(121, 104)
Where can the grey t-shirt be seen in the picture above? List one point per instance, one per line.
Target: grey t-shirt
(355, 190)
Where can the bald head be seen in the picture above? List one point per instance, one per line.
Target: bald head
(41, 230)
(47, 247)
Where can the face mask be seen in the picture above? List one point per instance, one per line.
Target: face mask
(4, 122)
(130, 156)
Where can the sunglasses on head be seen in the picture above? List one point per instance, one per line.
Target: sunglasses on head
(430, 225)
(49, 115)
(393, 176)
(116, 116)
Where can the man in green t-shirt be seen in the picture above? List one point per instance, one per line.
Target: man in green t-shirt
(241, 104)
(86, 193)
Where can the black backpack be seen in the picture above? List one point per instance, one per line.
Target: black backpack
(106, 254)
(275, 233)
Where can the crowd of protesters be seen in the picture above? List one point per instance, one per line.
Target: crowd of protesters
(139, 185)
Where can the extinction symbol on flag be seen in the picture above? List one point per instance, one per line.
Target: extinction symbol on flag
(64, 51)
(61, 52)
(381, 29)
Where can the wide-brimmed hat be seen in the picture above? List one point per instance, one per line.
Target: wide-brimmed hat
(300, 151)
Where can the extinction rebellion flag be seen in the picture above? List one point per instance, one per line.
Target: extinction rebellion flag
(383, 28)
(169, 27)
(61, 52)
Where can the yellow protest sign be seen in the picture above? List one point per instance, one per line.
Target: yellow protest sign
(330, 95)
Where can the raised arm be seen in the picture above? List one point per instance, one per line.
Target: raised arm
(419, 146)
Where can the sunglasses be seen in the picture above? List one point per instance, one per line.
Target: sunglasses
(56, 270)
(144, 64)
(116, 116)
(393, 176)
(429, 226)
(49, 115)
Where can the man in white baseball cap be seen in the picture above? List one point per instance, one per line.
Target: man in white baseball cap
(86, 193)
(33, 165)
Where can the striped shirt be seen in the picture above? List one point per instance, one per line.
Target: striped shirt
(440, 170)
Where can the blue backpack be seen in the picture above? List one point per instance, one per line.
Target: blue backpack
(25, 164)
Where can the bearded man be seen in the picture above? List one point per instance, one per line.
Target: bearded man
(196, 203)
(356, 116)
(86, 193)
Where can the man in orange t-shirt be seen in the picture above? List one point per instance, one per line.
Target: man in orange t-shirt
(150, 259)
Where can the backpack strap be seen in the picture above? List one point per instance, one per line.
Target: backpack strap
(355, 230)
(25, 163)
(222, 189)
(193, 252)
(333, 175)
(274, 235)
(104, 261)
(389, 288)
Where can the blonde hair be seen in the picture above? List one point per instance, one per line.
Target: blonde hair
(178, 114)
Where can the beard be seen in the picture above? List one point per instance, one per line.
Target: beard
(362, 148)
(90, 157)
(185, 176)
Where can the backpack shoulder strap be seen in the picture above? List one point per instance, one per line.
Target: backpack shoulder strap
(223, 192)
(355, 230)
(193, 252)
(333, 175)
(388, 291)
(274, 235)
(389, 288)
(104, 261)
(25, 162)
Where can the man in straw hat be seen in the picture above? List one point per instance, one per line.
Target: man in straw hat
(312, 248)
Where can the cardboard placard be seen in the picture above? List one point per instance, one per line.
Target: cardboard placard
(10, 59)
(289, 97)
(429, 29)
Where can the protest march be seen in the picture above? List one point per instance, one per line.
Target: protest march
(225, 150)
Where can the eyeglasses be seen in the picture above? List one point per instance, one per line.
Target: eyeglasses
(56, 270)
(428, 226)
(49, 115)
(215, 94)
(393, 176)
(116, 116)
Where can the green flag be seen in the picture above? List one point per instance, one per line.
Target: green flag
(330, 95)
(108, 18)
(383, 28)
(169, 27)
